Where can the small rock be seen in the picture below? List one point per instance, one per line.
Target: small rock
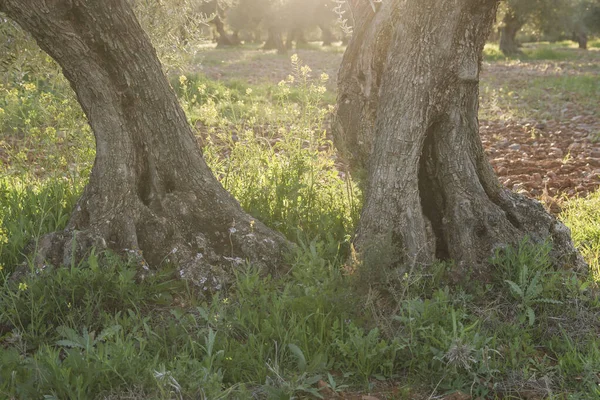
(502, 171)
(515, 146)
(503, 143)
(555, 152)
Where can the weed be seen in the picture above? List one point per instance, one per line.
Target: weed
(98, 330)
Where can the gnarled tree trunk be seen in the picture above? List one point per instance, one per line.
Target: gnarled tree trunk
(407, 115)
(150, 190)
(512, 24)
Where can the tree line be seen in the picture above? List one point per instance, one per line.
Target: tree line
(554, 19)
(281, 23)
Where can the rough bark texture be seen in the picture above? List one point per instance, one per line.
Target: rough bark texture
(150, 190)
(407, 115)
(512, 24)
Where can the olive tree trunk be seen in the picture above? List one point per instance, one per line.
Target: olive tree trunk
(581, 38)
(223, 39)
(407, 116)
(326, 34)
(511, 25)
(274, 40)
(150, 191)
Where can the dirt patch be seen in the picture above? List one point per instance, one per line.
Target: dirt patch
(549, 160)
(259, 66)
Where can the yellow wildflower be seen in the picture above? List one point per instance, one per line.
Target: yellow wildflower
(22, 286)
(305, 70)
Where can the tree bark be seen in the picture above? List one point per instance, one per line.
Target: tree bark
(274, 40)
(223, 40)
(150, 191)
(326, 34)
(407, 116)
(295, 34)
(581, 38)
(512, 24)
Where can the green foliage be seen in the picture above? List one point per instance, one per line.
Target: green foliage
(366, 353)
(523, 270)
(540, 98)
(583, 217)
(594, 44)
(491, 52)
(102, 329)
(284, 176)
(547, 53)
(31, 209)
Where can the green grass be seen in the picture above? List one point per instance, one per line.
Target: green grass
(583, 217)
(491, 52)
(541, 51)
(541, 98)
(103, 328)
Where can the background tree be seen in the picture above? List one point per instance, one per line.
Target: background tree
(575, 20)
(150, 190)
(289, 18)
(516, 13)
(304, 15)
(407, 115)
(176, 27)
(246, 16)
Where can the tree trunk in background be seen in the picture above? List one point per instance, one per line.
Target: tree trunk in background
(512, 24)
(326, 35)
(150, 189)
(581, 38)
(274, 40)
(407, 115)
(295, 35)
(223, 39)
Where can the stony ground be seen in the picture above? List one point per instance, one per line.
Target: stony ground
(540, 139)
